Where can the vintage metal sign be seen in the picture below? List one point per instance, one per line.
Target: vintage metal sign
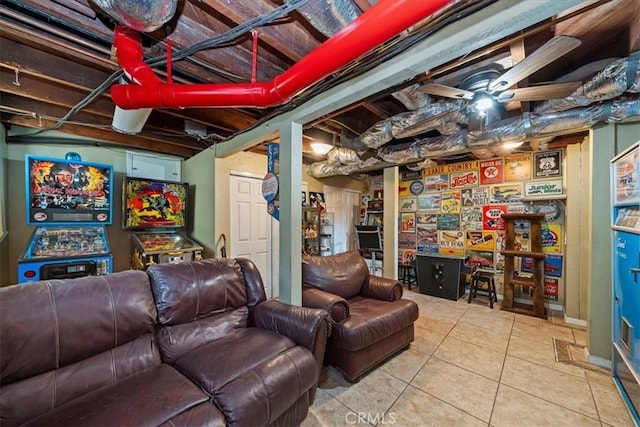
(543, 188)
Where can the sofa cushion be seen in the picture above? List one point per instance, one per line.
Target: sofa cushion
(61, 339)
(147, 398)
(49, 324)
(253, 375)
(176, 340)
(190, 291)
(342, 274)
(28, 398)
(205, 414)
(372, 320)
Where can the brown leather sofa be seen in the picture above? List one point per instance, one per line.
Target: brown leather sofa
(372, 321)
(188, 344)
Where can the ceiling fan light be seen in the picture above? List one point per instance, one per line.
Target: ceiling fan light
(321, 148)
(482, 102)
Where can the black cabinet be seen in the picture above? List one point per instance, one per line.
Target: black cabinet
(442, 276)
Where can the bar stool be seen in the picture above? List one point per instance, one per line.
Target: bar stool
(484, 281)
(407, 274)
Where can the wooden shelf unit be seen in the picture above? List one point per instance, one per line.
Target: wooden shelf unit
(537, 256)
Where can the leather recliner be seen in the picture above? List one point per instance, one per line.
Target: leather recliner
(188, 344)
(372, 321)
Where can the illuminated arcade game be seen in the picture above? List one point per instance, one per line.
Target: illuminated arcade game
(157, 212)
(70, 202)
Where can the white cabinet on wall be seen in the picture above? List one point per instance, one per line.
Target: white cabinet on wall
(154, 167)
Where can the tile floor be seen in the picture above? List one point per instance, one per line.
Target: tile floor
(473, 366)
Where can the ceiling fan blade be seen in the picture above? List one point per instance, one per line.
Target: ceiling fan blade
(538, 93)
(545, 54)
(446, 91)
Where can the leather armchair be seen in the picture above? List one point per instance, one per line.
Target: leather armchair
(372, 321)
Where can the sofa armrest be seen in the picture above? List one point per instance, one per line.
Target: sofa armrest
(381, 288)
(335, 305)
(305, 326)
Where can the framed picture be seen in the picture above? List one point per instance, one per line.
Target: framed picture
(316, 200)
(374, 218)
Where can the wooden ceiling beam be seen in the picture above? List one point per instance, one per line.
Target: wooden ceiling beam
(72, 16)
(43, 43)
(101, 136)
(291, 40)
(374, 109)
(62, 93)
(154, 130)
(49, 91)
(364, 5)
(236, 60)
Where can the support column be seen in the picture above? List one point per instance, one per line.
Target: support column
(605, 142)
(390, 222)
(290, 187)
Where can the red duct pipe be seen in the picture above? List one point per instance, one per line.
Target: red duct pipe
(377, 25)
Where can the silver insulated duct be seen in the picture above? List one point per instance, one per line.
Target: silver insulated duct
(621, 76)
(610, 96)
(139, 15)
(329, 16)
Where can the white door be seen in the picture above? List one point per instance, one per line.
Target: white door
(343, 203)
(251, 226)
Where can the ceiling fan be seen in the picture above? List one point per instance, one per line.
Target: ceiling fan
(489, 87)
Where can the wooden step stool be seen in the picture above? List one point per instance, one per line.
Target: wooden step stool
(407, 274)
(485, 282)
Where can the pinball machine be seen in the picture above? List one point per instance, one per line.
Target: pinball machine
(156, 212)
(69, 202)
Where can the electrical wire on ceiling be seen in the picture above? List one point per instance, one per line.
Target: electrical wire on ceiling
(220, 40)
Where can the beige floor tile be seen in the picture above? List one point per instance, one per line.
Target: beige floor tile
(545, 332)
(540, 354)
(419, 409)
(516, 408)
(491, 339)
(327, 411)
(426, 341)
(580, 336)
(611, 407)
(439, 326)
(528, 320)
(601, 376)
(459, 387)
(472, 357)
(549, 384)
(374, 393)
(405, 365)
(448, 312)
(487, 319)
(457, 357)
